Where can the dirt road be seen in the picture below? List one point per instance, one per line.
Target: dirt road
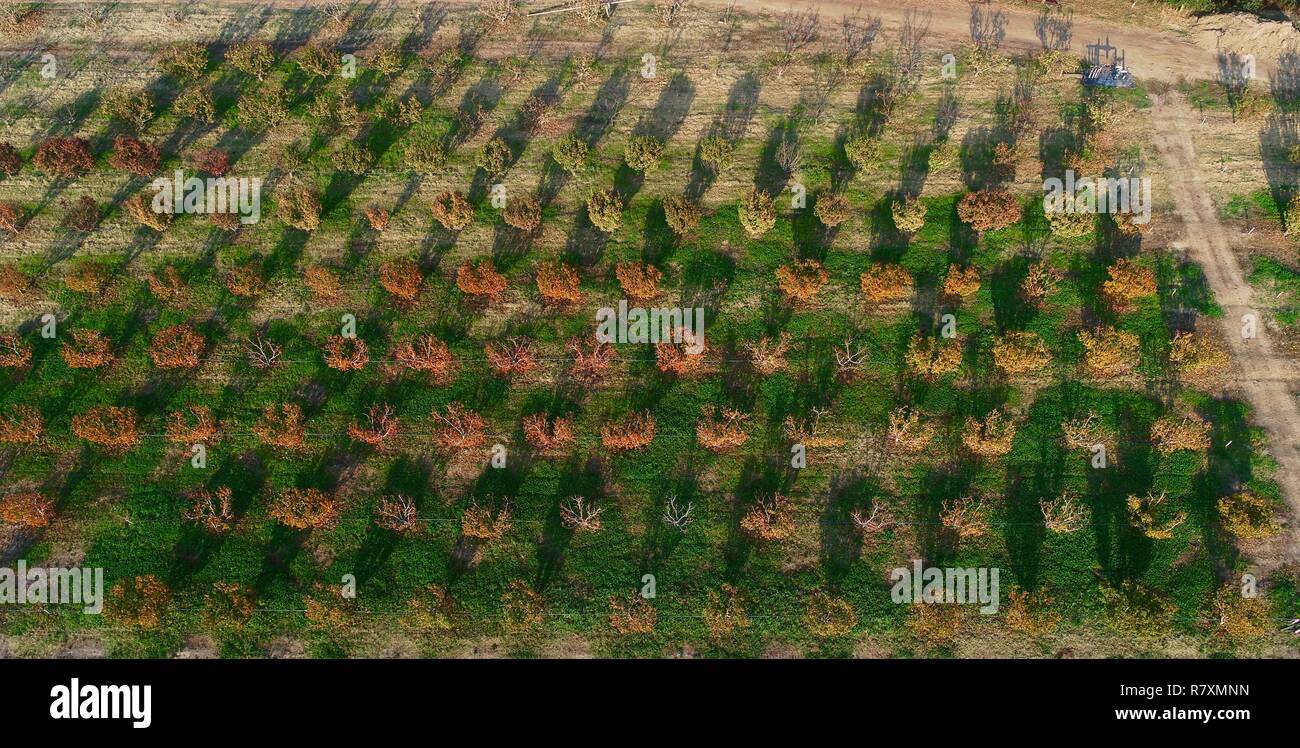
(1267, 377)
(1149, 53)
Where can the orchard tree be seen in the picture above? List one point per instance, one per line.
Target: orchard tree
(989, 210)
(111, 428)
(304, 509)
(64, 158)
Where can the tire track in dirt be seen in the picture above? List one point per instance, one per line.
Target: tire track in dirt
(1266, 377)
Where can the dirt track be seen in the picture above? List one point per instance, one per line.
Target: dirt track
(1150, 53)
(1266, 376)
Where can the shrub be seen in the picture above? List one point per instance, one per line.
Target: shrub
(134, 106)
(908, 214)
(262, 109)
(88, 349)
(1247, 516)
(831, 209)
(989, 438)
(140, 602)
(591, 359)
(346, 354)
(931, 357)
(317, 59)
(244, 281)
(967, 517)
(886, 283)
(459, 428)
(90, 278)
(681, 214)
(675, 358)
(716, 152)
(523, 213)
(801, 280)
(299, 208)
(605, 209)
(229, 606)
(769, 518)
(351, 157)
(21, 424)
(424, 155)
(379, 428)
(632, 614)
(721, 430)
(1128, 282)
(193, 425)
(428, 355)
(828, 617)
(639, 280)
(452, 210)
(281, 427)
(989, 210)
(484, 523)
(1199, 358)
(1040, 282)
(1109, 352)
(64, 157)
(254, 58)
(1019, 352)
(11, 161)
(377, 217)
(495, 157)
(15, 285)
(961, 282)
(304, 509)
(211, 161)
(1150, 516)
(15, 353)
(643, 152)
(557, 283)
(907, 432)
(548, 434)
(634, 432)
(110, 428)
(176, 347)
(511, 357)
(571, 154)
(757, 213)
(480, 280)
(767, 356)
(11, 216)
(323, 284)
(862, 151)
(83, 215)
(724, 613)
(1068, 222)
(184, 61)
(26, 510)
(140, 207)
(1191, 432)
(402, 279)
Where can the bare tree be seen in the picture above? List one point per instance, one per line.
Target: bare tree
(878, 519)
(677, 516)
(849, 358)
(576, 513)
(911, 37)
(857, 34)
(987, 29)
(262, 353)
(798, 30)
